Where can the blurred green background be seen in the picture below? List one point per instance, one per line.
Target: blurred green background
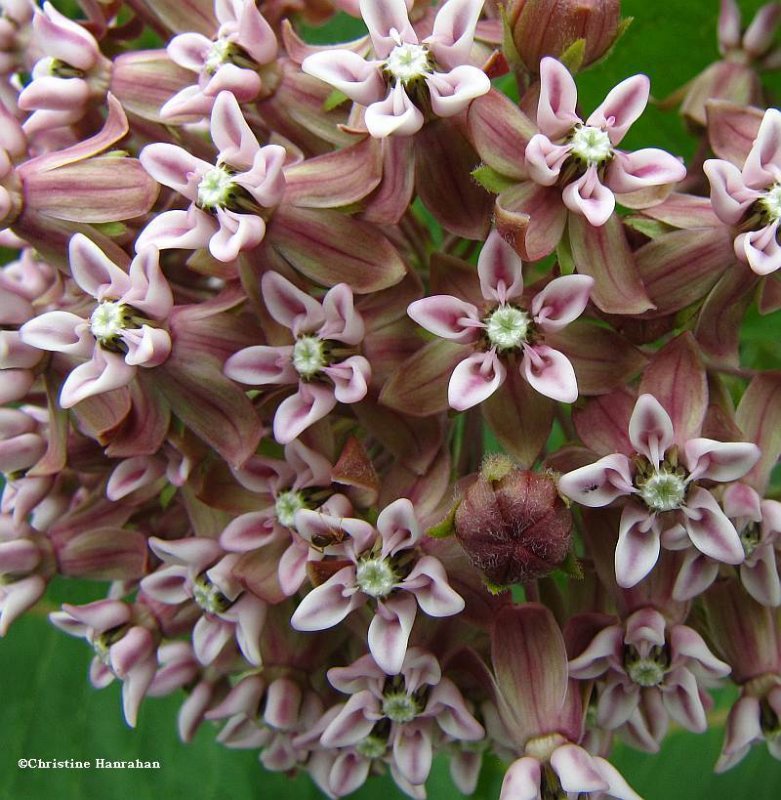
(48, 710)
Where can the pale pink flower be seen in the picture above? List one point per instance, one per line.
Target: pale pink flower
(407, 76)
(582, 157)
(385, 567)
(228, 199)
(503, 328)
(667, 504)
(754, 718)
(122, 331)
(322, 361)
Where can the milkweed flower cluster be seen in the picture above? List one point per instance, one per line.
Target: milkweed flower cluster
(269, 302)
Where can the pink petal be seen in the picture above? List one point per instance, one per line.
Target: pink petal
(550, 373)
(397, 114)
(350, 378)
(249, 531)
(174, 167)
(149, 290)
(260, 365)
(104, 372)
(146, 346)
(55, 94)
(730, 197)
(681, 696)
(189, 50)
(708, 459)
(188, 230)
(629, 172)
(686, 643)
(522, 780)
(448, 317)
(544, 159)
(210, 636)
(475, 379)
(454, 30)
(446, 704)
(500, 271)
(413, 751)
(651, 429)
(637, 550)
(309, 404)
(289, 306)
(342, 321)
(760, 249)
(389, 632)
(237, 232)
(600, 483)
(398, 527)
(622, 106)
(349, 73)
(265, 180)
(383, 21)
(167, 585)
(243, 84)
(616, 785)
(59, 331)
(256, 36)
(562, 301)
(428, 582)
(133, 473)
(761, 579)
(696, 574)
(94, 272)
(17, 597)
(587, 196)
(348, 773)
(617, 703)
(605, 650)
(763, 164)
(328, 604)
(451, 93)
(556, 114)
(230, 133)
(353, 723)
(709, 529)
(576, 770)
(64, 39)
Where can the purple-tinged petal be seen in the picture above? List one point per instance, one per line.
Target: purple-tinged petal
(249, 531)
(167, 585)
(550, 373)
(308, 405)
(598, 484)
(387, 22)
(389, 632)
(617, 702)
(576, 770)
(729, 195)
(399, 527)
(651, 429)
(289, 306)
(475, 379)
(133, 473)
(604, 650)
(102, 373)
(452, 92)
(135, 646)
(686, 643)
(448, 317)
(763, 165)
(328, 604)
(616, 785)
(447, 706)
(761, 579)
(454, 31)
(231, 134)
(59, 331)
(681, 696)
(64, 39)
(53, 94)
(349, 73)
(428, 582)
(237, 232)
(94, 272)
(413, 751)
(622, 106)
(17, 597)
(556, 114)
(174, 167)
(709, 529)
(708, 459)
(189, 230)
(590, 198)
(629, 172)
(101, 615)
(743, 728)
(250, 614)
(189, 50)
(255, 35)
(146, 346)
(195, 552)
(354, 721)
(397, 114)
(350, 378)
(342, 321)
(637, 550)
(760, 249)
(500, 271)
(260, 365)
(544, 159)
(149, 290)
(522, 780)
(210, 636)
(562, 301)
(696, 574)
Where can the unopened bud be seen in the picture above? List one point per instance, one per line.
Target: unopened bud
(549, 27)
(513, 525)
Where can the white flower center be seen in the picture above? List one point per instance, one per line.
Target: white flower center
(108, 320)
(286, 506)
(591, 145)
(400, 707)
(646, 672)
(771, 202)
(542, 747)
(375, 577)
(507, 327)
(209, 597)
(219, 54)
(663, 491)
(372, 747)
(308, 356)
(407, 62)
(214, 188)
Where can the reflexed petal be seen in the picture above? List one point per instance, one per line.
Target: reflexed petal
(617, 703)
(350, 378)
(413, 751)
(342, 321)
(544, 159)
(385, 19)
(188, 230)
(146, 346)
(500, 271)
(686, 643)
(210, 636)
(681, 696)
(94, 272)
(289, 306)
(237, 232)
(760, 249)
(576, 770)
(189, 50)
(133, 473)
(102, 373)
(651, 429)
(600, 483)
(587, 196)
(261, 364)
(709, 529)
(149, 290)
(708, 459)
(550, 373)
(249, 531)
(451, 93)
(605, 649)
(174, 167)
(398, 526)
(760, 578)
(637, 550)
(255, 35)
(697, 573)
(616, 785)
(428, 582)
(353, 722)
(729, 195)
(231, 134)
(328, 604)
(445, 316)
(622, 106)
(447, 706)
(397, 114)
(348, 773)
(522, 780)
(265, 180)
(475, 379)
(556, 115)
(349, 73)
(389, 632)
(309, 404)
(562, 301)
(629, 172)
(763, 165)
(454, 31)
(59, 331)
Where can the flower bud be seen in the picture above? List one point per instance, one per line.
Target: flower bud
(548, 27)
(512, 523)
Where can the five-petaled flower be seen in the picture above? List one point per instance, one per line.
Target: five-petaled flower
(504, 329)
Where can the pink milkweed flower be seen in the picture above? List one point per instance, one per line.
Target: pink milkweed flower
(321, 361)
(408, 77)
(233, 61)
(643, 662)
(395, 717)
(581, 157)
(383, 565)
(196, 570)
(122, 331)
(750, 198)
(502, 328)
(667, 504)
(228, 200)
(72, 77)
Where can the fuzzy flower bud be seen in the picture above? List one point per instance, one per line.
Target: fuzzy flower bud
(512, 523)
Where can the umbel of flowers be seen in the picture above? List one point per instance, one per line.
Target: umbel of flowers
(395, 393)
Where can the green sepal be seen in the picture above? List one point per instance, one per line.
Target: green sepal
(166, 495)
(447, 526)
(110, 229)
(334, 100)
(571, 567)
(491, 180)
(652, 228)
(573, 56)
(494, 588)
(564, 256)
